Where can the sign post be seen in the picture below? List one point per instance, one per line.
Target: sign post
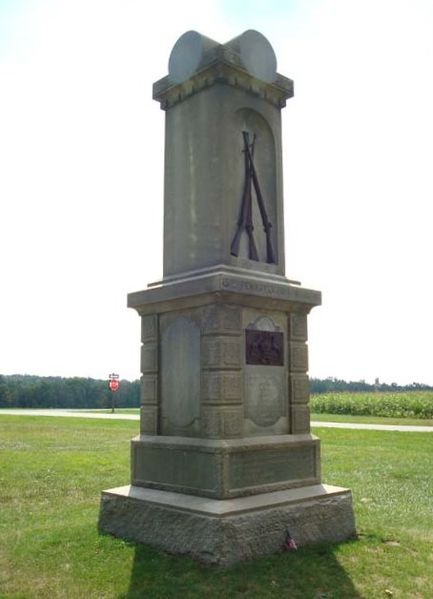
(113, 385)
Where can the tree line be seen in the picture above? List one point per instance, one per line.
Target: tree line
(28, 391)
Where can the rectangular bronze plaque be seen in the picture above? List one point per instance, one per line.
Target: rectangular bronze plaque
(264, 348)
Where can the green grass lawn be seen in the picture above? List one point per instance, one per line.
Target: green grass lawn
(371, 419)
(319, 417)
(53, 469)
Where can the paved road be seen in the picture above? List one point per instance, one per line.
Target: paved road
(120, 416)
(69, 413)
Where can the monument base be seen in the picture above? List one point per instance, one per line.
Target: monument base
(223, 532)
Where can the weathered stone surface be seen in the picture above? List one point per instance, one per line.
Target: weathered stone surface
(221, 352)
(220, 319)
(300, 419)
(221, 387)
(221, 422)
(180, 376)
(222, 468)
(299, 389)
(149, 420)
(149, 389)
(298, 357)
(266, 395)
(149, 357)
(225, 532)
(149, 328)
(298, 327)
(224, 287)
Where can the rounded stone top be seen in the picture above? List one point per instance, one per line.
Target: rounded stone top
(257, 54)
(251, 50)
(187, 54)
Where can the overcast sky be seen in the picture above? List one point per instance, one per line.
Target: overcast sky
(81, 176)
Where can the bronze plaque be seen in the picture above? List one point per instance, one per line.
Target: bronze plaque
(264, 348)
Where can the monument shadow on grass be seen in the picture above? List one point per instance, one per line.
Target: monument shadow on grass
(309, 573)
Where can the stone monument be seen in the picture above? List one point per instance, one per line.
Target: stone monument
(225, 464)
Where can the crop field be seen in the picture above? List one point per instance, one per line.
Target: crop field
(405, 404)
(53, 469)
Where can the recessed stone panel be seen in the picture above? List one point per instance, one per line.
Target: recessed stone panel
(175, 469)
(265, 395)
(271, 466)
(149, 357)
(221, 352)
(180, 375)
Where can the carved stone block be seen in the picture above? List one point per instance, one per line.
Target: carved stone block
(149, 420)
(299, 389)
(298, 357)
(149, 389)
(149, 328)
(300, 419)
(221, 423)
(221, 387)
(221, 352)
(298, 327)
(149, 357)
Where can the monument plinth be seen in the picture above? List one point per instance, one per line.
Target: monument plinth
(225, 463)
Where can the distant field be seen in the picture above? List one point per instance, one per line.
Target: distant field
(411, 407)
(53, 469)
(406, 404)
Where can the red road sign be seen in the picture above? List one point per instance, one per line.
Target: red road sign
(113, 385)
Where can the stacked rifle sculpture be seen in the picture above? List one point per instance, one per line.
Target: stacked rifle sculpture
(245, 217)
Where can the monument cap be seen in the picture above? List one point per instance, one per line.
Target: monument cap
(257, 55)
(187, 54)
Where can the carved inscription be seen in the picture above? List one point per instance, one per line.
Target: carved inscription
(265, 348)
(272, 466)
(262, 289)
